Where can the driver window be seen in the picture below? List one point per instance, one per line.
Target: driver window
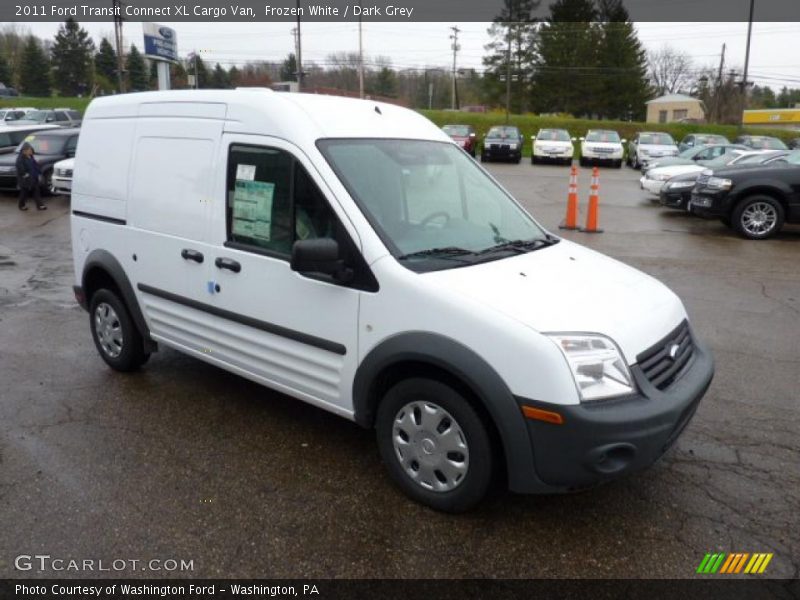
(272, 201)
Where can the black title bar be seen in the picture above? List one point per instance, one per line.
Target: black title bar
(245, 11)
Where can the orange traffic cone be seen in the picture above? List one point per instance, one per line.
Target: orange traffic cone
(594, 205)
(571, 219)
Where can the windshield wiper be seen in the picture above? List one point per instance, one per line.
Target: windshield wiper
(444, 252)
(521, 246)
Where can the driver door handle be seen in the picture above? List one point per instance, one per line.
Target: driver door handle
(228, 263)
(189, 254)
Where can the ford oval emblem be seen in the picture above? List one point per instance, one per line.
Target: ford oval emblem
(166, 32)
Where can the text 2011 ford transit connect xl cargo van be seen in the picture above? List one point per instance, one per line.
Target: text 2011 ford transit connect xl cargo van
(349, 254)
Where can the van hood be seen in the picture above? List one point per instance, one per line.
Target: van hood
(569, 288)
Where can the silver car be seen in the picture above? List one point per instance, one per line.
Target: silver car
(649, 145)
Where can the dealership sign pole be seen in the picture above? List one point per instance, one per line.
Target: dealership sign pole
(160, 45)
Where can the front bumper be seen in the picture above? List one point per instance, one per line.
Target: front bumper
(710, 204)
(602, 157)
(675, 198)
(651, 185)
(59, 185)
(602, 441)
(502, 152)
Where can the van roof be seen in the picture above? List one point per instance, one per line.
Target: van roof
(291, 116)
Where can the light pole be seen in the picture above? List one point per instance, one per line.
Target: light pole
(747, 60)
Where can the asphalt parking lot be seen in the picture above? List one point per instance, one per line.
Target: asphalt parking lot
(184, 461)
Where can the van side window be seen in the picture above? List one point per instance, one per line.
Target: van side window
(272, 201)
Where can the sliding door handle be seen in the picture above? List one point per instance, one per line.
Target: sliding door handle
(228, 263)
(188, 254)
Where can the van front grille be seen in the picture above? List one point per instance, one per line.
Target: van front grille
(663, 363)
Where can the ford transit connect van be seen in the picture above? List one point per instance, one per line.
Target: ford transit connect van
(349, 254)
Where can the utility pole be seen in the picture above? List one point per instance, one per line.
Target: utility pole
(119, 42)
(455, 48)
(299, 60)
(360, 57)
(508, 75)
(747, 58)
(718, 90)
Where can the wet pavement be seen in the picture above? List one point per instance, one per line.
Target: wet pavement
(184, 461)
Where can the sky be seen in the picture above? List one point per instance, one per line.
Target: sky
(774, 60)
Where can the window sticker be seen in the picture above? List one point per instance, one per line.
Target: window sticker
(245, 172)
(252, 209)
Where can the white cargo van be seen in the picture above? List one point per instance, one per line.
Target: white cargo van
(349, 254)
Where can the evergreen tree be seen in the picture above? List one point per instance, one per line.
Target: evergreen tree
(515, 26)
(34, 71)
(5, 71)
(72, 59)
(621, 64)
(196, 67)
(233, 76)
(105, 61)
(385, 82)
(219, 78)
(138, 78)
(289, 68)
(565, 77)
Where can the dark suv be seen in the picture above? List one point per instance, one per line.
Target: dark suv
(502, 142)
(754, 201)
(49, 147)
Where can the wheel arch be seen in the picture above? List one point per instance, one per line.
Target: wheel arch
(778, 193)
(442, 358)
(102, 269)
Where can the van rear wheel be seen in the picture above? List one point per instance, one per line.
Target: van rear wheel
(115, 336)
(435, 445)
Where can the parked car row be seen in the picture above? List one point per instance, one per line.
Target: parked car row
(62, 117)
(647, 149)
(751, 191)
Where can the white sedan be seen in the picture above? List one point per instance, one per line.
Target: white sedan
(654, 179)
(552, 145)
(61, 181)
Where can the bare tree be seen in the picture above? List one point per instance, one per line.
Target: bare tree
(670, 71)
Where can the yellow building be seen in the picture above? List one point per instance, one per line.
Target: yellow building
(773, 118)
(675, 108)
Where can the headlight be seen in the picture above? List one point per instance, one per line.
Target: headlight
(597, 365)
(680, 185)
(662, 177)
(644, 151)
(512, 146)
(719, 183)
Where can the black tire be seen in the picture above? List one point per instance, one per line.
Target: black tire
(534, 160)
(470, 488)
(618, 164)
(517, 160)
(47, 182)
(773, 208)
(583, 162)
(128, 353)
(472, 153)
(635, 164)
(484, 158)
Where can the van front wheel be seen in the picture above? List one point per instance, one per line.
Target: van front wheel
(434, 444)
(115, 336)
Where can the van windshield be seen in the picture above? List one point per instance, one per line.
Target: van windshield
(431, 204)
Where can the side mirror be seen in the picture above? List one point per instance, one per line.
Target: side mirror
(472, 135)
(623, 141)
(581, 139)
(319, 256)
(575, 139)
